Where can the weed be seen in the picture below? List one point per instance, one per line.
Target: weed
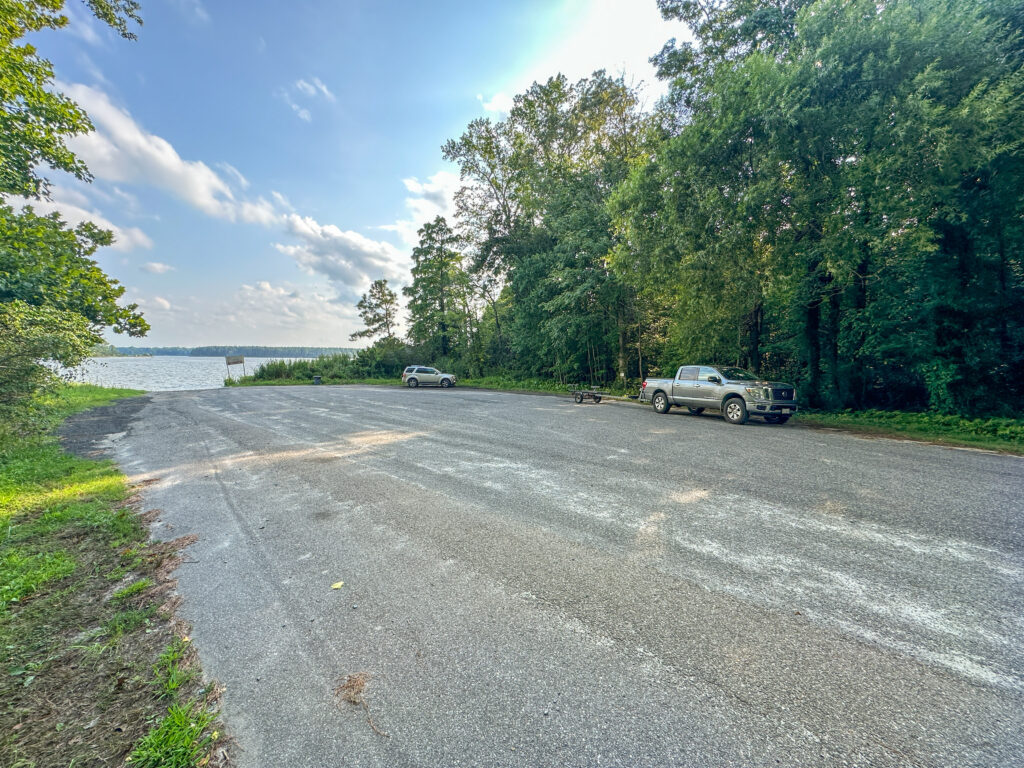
(132, 589)
(127, 621)
(180, 740)
(172, 675)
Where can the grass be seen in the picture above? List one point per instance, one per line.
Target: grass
(91, 649)
(995, 434)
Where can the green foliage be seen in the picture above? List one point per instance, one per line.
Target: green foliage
(180, 740)
(172, 672)
(385, 359)
(28, 335)
(379, 310)
(837, 206)
(35, 119)
(1001, 434)
(54, 299)
(22, 573)
(133, 589)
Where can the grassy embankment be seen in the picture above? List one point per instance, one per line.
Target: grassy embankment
(95, 669)
(994, 434)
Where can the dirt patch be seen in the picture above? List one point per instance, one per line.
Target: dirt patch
(85, 434)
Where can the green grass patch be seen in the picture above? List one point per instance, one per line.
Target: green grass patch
(175, 669)
(996, 434)
(22, 573)
(132, 590)
(79, 661)
(181, 739)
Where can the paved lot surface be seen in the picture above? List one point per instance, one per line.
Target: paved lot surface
(529, 582)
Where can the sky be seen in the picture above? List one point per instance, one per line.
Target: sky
(261, 163)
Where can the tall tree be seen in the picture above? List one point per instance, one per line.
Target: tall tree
(438, 293)
(379, 309)
(54, 299)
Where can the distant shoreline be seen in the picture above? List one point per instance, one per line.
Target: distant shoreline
(223, 351)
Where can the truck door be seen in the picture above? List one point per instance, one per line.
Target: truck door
(683, 391)
(708, 394)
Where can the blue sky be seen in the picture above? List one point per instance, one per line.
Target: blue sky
(261, 163)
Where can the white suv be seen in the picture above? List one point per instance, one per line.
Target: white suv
(415, 375)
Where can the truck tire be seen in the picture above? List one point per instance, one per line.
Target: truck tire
(413, 383)
(660, 402)
(695, 411)
(734, 410)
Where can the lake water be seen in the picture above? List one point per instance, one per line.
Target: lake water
(162, 372)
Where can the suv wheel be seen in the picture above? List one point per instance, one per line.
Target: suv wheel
(412, 383)
(445, 383)
(660, 402)
(735, 410)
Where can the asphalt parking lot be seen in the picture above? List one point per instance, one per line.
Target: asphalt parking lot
(530, 582)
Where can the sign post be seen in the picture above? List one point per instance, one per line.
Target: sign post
(235, 360)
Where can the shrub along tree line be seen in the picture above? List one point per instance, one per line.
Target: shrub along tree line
(54, 299)
(829, 194)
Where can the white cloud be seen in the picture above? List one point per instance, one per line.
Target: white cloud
(303, 113)
(256, 313)
(75, 207)
(156, 267)
(349, 260)
(82, 24)
(323, 89)
(432, 198)
(235, 174)
(120, 150)
(311, 89)
(161, 302)
(281, 200)
(500, 103)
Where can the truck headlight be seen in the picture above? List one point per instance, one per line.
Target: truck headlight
(758, 393)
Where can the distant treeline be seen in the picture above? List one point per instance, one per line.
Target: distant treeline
(223, 351)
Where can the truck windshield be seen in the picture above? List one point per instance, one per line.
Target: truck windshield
(738, 374)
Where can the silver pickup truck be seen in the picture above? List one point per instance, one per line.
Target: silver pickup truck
(733, 391)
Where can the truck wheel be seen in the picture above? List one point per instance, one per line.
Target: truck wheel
(445, 383)
(735, 411)
(695, 411)
(660, 402)
(412, 383)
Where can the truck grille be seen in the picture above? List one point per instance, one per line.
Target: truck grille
(782, 394)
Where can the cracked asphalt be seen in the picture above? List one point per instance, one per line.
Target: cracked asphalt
(530, 582)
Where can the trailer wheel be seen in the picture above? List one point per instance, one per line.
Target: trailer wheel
(597, 398)
(578, 397)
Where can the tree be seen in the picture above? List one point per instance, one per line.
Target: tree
(54, 299)
(43, 262)
(438, 295)
(35, 119)
(378, 307)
